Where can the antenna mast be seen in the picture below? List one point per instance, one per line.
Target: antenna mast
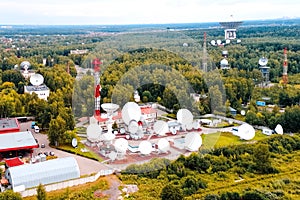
(204, 58)
(96, 63)
(285, 68)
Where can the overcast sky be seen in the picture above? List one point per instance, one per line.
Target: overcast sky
(141, 11)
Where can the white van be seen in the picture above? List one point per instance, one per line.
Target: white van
(36, 129)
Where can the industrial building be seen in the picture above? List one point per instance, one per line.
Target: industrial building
(52, 171)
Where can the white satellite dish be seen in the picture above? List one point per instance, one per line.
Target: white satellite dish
(110, 108)
(25, 65)
(93, 132)
(279, 129)
(131, 111)
(263, 61)
(133, 126)
(161, 127)
(74, 142)
(246, 132)
(189, 126)
(184, 116)
(163, 145)
(108, 136)
(122, 130)
(36, 79)
(112, 155)
(193, 141)
(227, 41)
(238, 41)
(145, 147)
(173, 130)
(93, 120)
(213, 42)
(219, 42)
(243, 112)
(196, 125)
(121, 145)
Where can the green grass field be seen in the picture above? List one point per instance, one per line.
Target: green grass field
(221, 139)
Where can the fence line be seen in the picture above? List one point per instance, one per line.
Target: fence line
(70, 183)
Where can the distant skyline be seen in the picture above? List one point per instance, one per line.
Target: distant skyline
(111, 12)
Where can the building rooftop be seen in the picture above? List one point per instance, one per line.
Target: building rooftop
(32, 88)
(9, 125)
(17, 141)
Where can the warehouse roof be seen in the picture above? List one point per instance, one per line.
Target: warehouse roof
(47, 172)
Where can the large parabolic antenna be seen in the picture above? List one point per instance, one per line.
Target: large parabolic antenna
(184, 116)
(131, 111)
(193, 141)
(36, 79)
(246, 132)
(163, 145)
(93, 132)
(145, 147)
(110, 108)
(121, 145)
(161, 127)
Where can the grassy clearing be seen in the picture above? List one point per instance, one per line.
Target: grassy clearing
(221, 139)
(77, 151)
(84, 189)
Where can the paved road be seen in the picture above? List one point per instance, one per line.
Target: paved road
(86, 166)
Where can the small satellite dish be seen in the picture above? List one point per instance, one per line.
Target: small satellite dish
(243, 112)
(112, 155)
(161, 127)
(173, 130)
(36, 79)
(263, 61)
(121, 145)
(25, 65)
(279, 129)
(93, 132)
(193, 141)
(122, 130)
(219, 42)
(93, 120)
(131, 111)
(184, 116)
(227, 41)
(145, 147)
(108, 136)
(196, 125)
(133, 126)
(74, 142)
(246, 132)
(213, 42)
(163, 145)
(189, 126)
(238, 41)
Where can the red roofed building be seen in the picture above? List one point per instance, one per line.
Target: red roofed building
(12, 162)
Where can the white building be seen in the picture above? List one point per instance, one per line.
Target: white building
(42, 91)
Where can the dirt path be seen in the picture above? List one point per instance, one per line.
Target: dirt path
(113, 192)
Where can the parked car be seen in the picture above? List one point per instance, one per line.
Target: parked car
(43, 146)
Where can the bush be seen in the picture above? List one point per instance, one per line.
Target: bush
(171, 192)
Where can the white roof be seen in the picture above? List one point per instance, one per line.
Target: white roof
(51, 171)
(17, 140)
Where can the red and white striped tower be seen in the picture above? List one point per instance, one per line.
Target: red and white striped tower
(96, 63)
(285, 68)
